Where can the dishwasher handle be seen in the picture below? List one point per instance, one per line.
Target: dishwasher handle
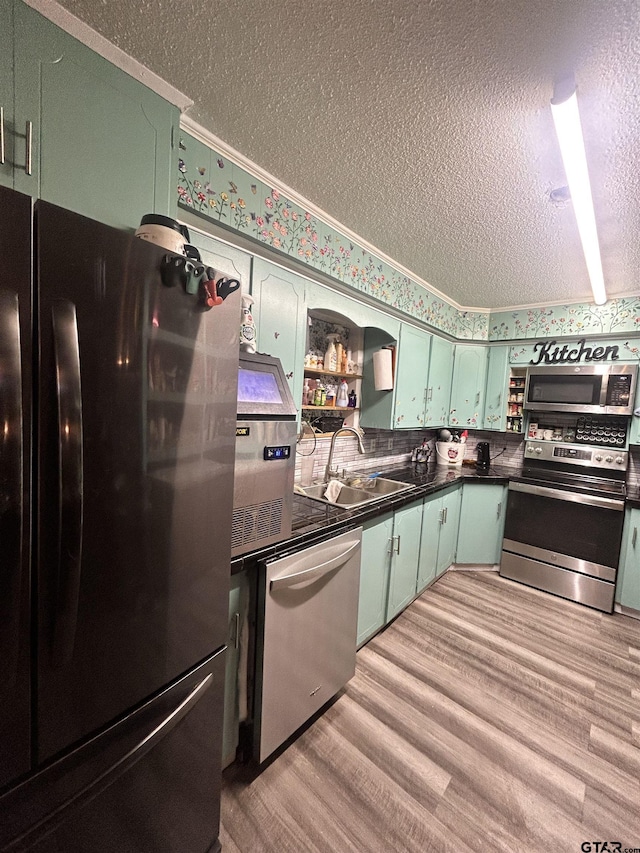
(314, 572)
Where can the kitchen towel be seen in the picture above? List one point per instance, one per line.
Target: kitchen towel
(334, 487)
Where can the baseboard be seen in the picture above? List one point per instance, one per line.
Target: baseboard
(626, 611)
(470, 567)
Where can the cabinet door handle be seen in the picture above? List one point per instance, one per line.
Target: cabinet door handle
(499, 510)
(446, 514)
(499, 399)
(634, 537)
(398, 545)
(28, 144)
(477, 398)
(1, 136)
(236, 630)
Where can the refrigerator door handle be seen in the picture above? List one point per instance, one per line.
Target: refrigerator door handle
(11, 474)
(70, 478)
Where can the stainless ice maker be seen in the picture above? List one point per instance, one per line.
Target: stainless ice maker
(266, 432)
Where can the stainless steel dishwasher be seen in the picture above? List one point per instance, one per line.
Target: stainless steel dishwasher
(308, 639)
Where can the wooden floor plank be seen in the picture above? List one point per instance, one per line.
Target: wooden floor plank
(487, 716)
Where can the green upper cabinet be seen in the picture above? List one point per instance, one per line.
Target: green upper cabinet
(82, 133)
(411, 378)
(481, 523)
(634, 426)
(404, 407)
(224, 258)
(6, 92)
(495, 409)
(280, 314)
(439, 383)
(376, 407)
(468, 386)
(322, 298)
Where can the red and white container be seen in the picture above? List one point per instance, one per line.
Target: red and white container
(449, 452)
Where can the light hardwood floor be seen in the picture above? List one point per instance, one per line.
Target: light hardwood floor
(488, 716)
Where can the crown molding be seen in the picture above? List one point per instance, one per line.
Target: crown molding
(210, 139)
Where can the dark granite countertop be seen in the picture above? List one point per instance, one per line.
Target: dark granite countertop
(313, 521)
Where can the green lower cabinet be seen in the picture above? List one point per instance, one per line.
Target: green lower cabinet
(628, 585)
(237, 639)
(405, 550)
(439, 536)
(481, 526)
(449, 530)
(374, 576)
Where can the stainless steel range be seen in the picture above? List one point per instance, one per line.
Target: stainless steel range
(564, 517)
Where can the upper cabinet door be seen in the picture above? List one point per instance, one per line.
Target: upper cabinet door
(411, 378)
(6, 91)
(280, 314)
(87, 136)
(467, 389)
(439, 388)
(495, 409)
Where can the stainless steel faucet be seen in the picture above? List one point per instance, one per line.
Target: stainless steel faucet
(329, 473)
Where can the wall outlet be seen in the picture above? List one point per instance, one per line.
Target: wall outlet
(389, 444)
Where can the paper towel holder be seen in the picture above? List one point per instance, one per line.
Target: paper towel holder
(383, 369)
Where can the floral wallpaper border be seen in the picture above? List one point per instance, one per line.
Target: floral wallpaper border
(223, 192)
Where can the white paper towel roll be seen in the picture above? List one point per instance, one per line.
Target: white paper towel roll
(382, 370)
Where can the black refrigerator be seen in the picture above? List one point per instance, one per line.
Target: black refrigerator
(117, 438)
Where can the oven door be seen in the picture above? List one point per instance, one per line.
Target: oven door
(564, 542)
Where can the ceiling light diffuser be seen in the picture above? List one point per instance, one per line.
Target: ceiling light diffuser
(566, 117)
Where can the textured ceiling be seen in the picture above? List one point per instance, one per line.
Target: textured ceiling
(424, 127)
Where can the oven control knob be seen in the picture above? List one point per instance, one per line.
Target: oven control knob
(608, 459)
(619, 460)
(538, 450)
(598, 457)
(530, 448)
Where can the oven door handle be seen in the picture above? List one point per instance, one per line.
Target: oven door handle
(572, 497)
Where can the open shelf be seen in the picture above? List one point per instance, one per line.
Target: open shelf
(314, 371)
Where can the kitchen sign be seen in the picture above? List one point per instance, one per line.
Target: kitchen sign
(548, 352)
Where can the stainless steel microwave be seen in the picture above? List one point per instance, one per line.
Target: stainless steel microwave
(606, 389)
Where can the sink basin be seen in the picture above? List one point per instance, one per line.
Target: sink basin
(357, 491)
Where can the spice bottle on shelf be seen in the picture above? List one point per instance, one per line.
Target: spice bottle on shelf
(306, 392)
(353, 400)
(331, 355)
(343, 394)
(339, 357)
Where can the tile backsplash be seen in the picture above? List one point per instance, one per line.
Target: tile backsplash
(385, 448)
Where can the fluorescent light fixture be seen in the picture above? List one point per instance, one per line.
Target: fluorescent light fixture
(564, 108)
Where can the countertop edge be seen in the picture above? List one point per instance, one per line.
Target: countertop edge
(339, 520)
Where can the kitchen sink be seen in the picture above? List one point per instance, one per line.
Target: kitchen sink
(357, 490)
